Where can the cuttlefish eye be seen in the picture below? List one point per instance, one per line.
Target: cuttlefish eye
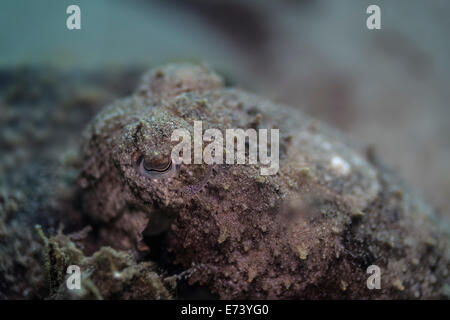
(160, 164)
(156, 167)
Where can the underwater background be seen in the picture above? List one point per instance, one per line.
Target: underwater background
(387, 89)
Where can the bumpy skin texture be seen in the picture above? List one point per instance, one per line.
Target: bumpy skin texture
(310, 231)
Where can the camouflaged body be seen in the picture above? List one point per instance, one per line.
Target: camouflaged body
(310, 231)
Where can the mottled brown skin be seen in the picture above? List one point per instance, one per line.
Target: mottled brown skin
(310, 231)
